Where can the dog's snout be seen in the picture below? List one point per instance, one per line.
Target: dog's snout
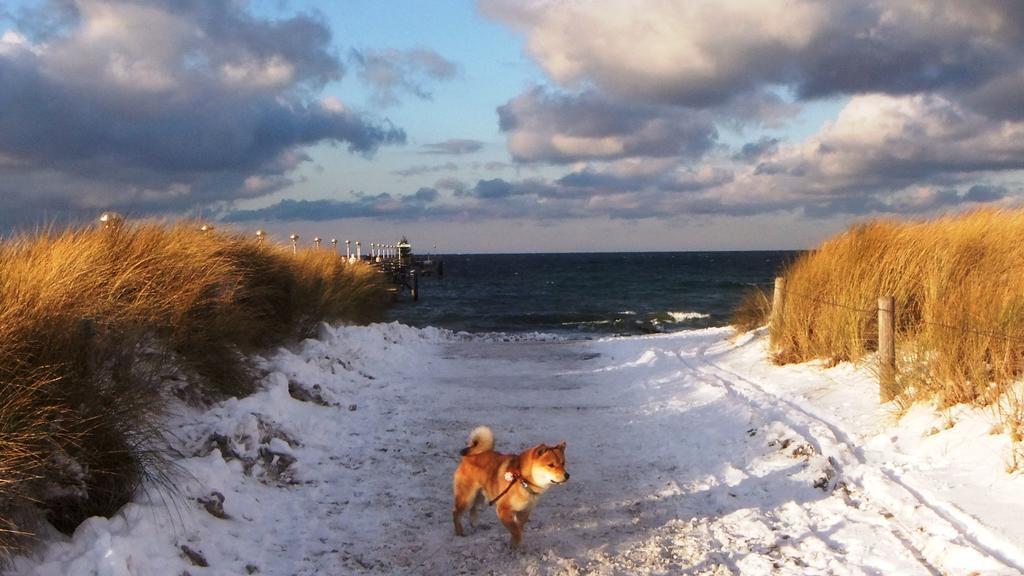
(566, 475)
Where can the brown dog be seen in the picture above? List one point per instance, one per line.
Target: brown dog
(511, 481)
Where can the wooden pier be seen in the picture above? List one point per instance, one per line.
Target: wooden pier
(396, 261)
(403, 269)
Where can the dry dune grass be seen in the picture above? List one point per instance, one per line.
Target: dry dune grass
(957, 285)
(753, 310)
(89, 319)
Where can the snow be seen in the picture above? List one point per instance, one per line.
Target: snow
(689, 453)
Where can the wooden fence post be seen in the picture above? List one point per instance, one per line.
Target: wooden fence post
(887, 388)
(778, 301)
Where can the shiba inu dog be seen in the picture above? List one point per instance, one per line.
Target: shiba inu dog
(510, 482)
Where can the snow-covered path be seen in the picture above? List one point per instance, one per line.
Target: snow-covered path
(688, 453)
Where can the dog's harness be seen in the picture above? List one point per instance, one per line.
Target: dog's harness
(513, 476)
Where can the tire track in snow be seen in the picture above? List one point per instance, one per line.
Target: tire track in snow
(899, 533)
(855, 468)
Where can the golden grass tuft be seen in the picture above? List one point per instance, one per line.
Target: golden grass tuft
(90, 318)
(753, 310)
(328, 289)
(960, 305)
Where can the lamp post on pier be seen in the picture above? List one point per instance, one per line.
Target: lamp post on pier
(111, 220)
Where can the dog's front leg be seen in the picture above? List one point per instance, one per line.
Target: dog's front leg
(510, 519)
(522, 517)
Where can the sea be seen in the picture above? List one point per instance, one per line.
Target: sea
(588, 295)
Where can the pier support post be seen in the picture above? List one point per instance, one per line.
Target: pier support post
(414, 281)
(887, 388)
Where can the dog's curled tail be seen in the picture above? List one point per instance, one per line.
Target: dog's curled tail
(481, 439)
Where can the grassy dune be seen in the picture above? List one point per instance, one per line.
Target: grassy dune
(91, 323)
(958, 282)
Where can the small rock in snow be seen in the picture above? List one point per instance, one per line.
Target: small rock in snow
(194, 557)
(214, 504)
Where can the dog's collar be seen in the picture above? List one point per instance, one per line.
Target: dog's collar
(513, 476)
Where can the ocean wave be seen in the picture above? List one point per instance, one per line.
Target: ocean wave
(512, 336)
(625, 322)
(684, 316)
(588, 322)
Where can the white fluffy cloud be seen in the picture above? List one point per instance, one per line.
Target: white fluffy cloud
(663, 50)
(548, 127)
(880, 138)
(702, 51)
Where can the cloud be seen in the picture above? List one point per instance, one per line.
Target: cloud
(908, 46)
(421, 169)
(752, 151)
(914, 200)
(151, 106)
(680, 53)
(985, 193)
(454, 184)
(393, 73)
(619, 176)
(409, 206)
(544, 126)
(496, 166)
(453, 146)
(893, 141)
(881, 155)
(1002, 97)
(492, 189)
(426, 195)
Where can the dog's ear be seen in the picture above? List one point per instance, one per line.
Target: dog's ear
(540, 450)
(561, 446)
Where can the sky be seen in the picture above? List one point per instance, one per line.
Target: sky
(512, 125)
